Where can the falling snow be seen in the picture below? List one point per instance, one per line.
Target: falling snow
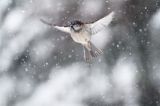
(41, 66)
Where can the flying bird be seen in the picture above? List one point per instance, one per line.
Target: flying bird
(81, 33)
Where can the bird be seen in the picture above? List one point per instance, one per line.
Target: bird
(82, 32)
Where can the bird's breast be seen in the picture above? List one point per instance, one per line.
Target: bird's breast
(81, 37)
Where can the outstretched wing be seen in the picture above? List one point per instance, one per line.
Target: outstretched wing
(61, 28)
(101, 24)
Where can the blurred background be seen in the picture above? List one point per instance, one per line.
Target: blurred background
(41, 66)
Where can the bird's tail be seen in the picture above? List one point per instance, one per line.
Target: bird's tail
(95, 51)
(90, 51)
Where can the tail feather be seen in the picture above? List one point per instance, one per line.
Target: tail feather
(91, 51)
(95, 51)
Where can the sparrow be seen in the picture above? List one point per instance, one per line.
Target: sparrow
(82, 32)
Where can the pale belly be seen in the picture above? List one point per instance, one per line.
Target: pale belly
(81, 38)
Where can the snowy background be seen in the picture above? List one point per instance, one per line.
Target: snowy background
(40, 66)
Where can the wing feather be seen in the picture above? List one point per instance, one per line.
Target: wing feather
(64, 29)
(102, 23)
(61, 28)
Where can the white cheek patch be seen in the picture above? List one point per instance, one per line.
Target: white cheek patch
(77, 28)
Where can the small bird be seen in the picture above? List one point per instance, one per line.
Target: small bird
(81, 33)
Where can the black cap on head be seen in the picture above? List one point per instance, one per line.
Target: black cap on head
(76, 22)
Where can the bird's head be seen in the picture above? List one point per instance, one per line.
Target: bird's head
(76, 25)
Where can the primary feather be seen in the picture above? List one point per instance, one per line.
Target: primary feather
(101, 23)
(61, 28)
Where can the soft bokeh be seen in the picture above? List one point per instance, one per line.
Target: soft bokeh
(41, 66)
